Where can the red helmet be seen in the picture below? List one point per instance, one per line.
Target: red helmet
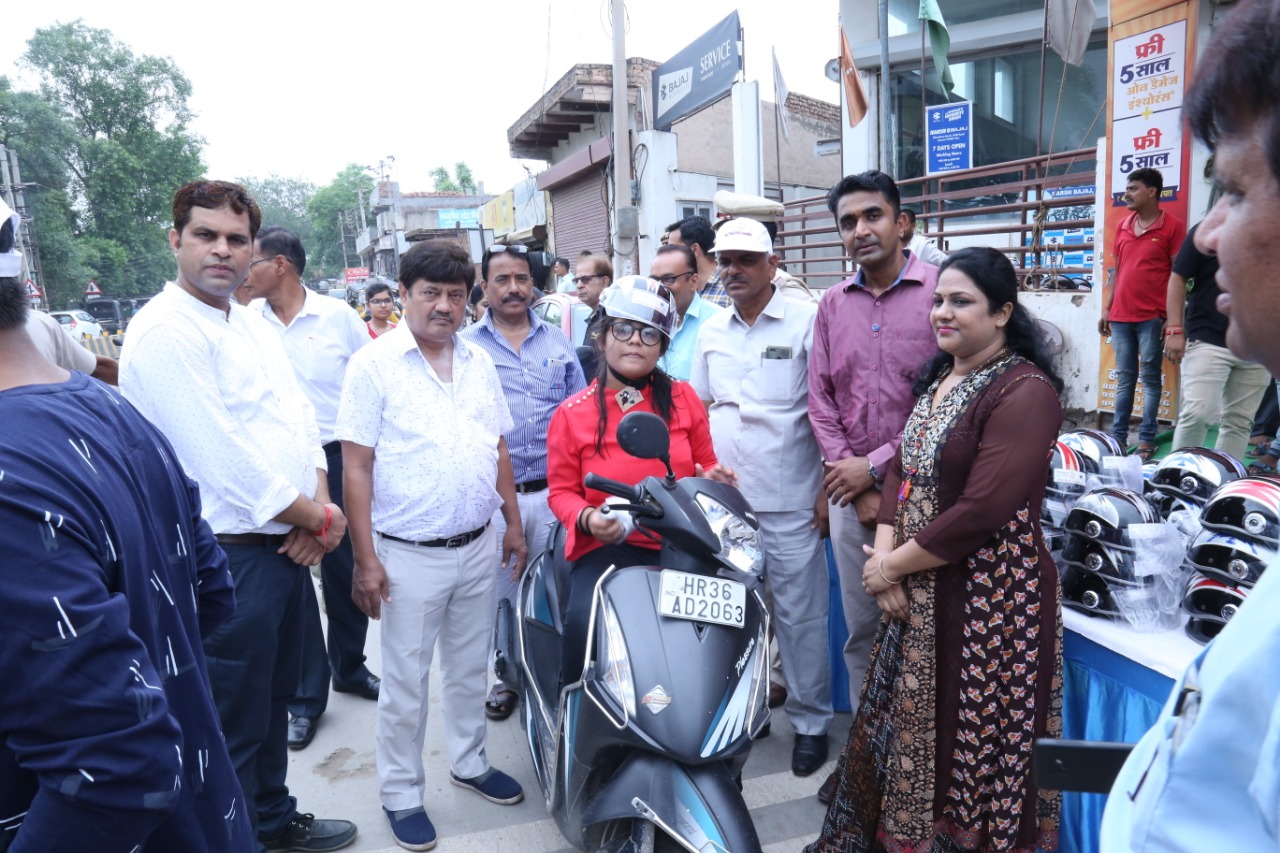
(1193, 473)
(1067, 473)
(1248, 509)
(1212, 600)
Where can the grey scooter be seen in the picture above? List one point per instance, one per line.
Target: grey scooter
(643, 748)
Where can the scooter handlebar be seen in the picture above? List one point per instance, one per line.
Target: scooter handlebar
(613, 487)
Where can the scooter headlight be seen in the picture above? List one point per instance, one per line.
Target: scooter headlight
(739, 542)
(615, 665)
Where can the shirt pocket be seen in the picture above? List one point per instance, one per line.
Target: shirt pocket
(550, 380)
(780, 379)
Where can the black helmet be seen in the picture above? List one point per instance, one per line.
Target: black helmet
(1193, 473)
(1105, 514)
(1113, 564)
(1211, 599)
(1204, 630)
(1067, 473)
(1093, 443)
(1226, 558)
(1087, 592)
(1248, 509)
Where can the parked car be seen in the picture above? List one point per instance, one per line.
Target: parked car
(79, 323)
(566, 312)
(112, 315)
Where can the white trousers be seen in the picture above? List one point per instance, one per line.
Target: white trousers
(861, 613)
(1220, 388)
(796, 575)
(536, 518)
(445, 596)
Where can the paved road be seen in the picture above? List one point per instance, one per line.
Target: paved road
(335, 777)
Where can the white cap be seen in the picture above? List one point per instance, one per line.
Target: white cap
(742, 235)
(10, 261)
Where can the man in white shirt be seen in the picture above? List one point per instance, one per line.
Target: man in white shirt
(751, 370)
(55, 344)
(920, 245)
(320, 335)
(215, 379)
(1207, 774)
(421, 422)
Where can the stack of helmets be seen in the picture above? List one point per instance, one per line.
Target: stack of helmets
(1241, 535)
(1187, 478)
(1099, 557)
(1068, 473)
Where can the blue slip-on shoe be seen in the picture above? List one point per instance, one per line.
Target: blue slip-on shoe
(494, 785)
(412, 828)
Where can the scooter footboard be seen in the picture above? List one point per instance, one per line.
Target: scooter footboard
(700, 806)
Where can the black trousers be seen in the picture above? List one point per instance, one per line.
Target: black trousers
(344, 659)
(586, 573)
(253, 661)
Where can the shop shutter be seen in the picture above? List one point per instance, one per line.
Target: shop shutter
(580, 217)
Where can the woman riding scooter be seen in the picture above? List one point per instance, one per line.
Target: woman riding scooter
(639, 318)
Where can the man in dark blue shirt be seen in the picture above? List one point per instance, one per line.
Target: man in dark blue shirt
(109, 737)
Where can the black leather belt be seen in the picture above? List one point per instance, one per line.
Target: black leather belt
(531, 486)
(451, 542)
(255, 540)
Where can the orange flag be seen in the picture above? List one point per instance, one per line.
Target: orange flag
(855, 98)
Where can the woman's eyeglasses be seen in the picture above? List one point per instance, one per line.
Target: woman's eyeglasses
(624, 331)
(380, 302)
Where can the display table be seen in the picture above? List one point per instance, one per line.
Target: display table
(1115, 681)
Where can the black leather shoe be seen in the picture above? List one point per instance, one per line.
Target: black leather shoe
(827, 792)
(777, 695)
(306, 833)
(367, 688)
(302, 730)
(808, 754)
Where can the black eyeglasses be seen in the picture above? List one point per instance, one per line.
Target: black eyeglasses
(624, 331)
(515, 248)
(253, 264)
(586, 279)
(380, 302)
(669, 280)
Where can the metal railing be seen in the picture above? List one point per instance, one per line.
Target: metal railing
(1009, 206)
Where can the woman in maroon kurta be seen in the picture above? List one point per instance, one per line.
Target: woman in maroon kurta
(966, 671)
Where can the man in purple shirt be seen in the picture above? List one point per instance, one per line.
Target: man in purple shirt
(870, 339)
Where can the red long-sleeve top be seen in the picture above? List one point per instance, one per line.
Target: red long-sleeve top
(571, 455)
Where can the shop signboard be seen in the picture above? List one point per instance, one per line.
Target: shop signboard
(949, 137)
(699, 75)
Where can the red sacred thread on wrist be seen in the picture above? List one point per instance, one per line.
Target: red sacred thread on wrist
(328, 522)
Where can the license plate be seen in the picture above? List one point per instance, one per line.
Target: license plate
(702, 599)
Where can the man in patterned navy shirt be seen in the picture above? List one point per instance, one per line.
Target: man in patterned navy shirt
(109, 738)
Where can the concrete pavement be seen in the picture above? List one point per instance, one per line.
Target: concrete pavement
(335, 777)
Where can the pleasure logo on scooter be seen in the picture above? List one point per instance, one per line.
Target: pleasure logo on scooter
(746, 656)
(656, 700)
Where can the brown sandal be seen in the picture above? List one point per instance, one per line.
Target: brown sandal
(501, 703)
(1145, 452)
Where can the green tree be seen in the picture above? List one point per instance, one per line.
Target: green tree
(462, 181)
(338, 201)
(284, 202)
(124, 144)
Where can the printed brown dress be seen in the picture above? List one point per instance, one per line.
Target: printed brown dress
(939, 757)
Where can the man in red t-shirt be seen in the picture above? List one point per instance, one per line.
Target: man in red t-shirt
(1133, 302)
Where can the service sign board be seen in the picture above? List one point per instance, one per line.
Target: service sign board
(354, 274)
(458, 218)
(1149, 78)
(949, 137)
(699, 75)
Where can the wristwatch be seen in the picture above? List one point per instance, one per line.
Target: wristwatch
(875, 475)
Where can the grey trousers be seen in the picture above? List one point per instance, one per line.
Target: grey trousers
(861, 613)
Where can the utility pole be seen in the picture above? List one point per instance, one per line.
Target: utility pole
(626, 223)
(342, 237)
(885, 112)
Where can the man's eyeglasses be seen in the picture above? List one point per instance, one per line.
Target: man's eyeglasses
(253, 264)
(669, 280)
(381, 302)
(586, 279)
(514, 248)
(624, 331)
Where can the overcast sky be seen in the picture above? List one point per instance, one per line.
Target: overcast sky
(302, 90)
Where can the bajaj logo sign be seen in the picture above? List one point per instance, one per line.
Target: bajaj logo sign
(673, 87)
(699, 75)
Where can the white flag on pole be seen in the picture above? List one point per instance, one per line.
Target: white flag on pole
(780, 93)
(1068, 24)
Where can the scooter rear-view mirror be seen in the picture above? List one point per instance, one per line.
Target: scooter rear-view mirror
(644, 435)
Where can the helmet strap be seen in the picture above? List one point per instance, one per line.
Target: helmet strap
(639, 384)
